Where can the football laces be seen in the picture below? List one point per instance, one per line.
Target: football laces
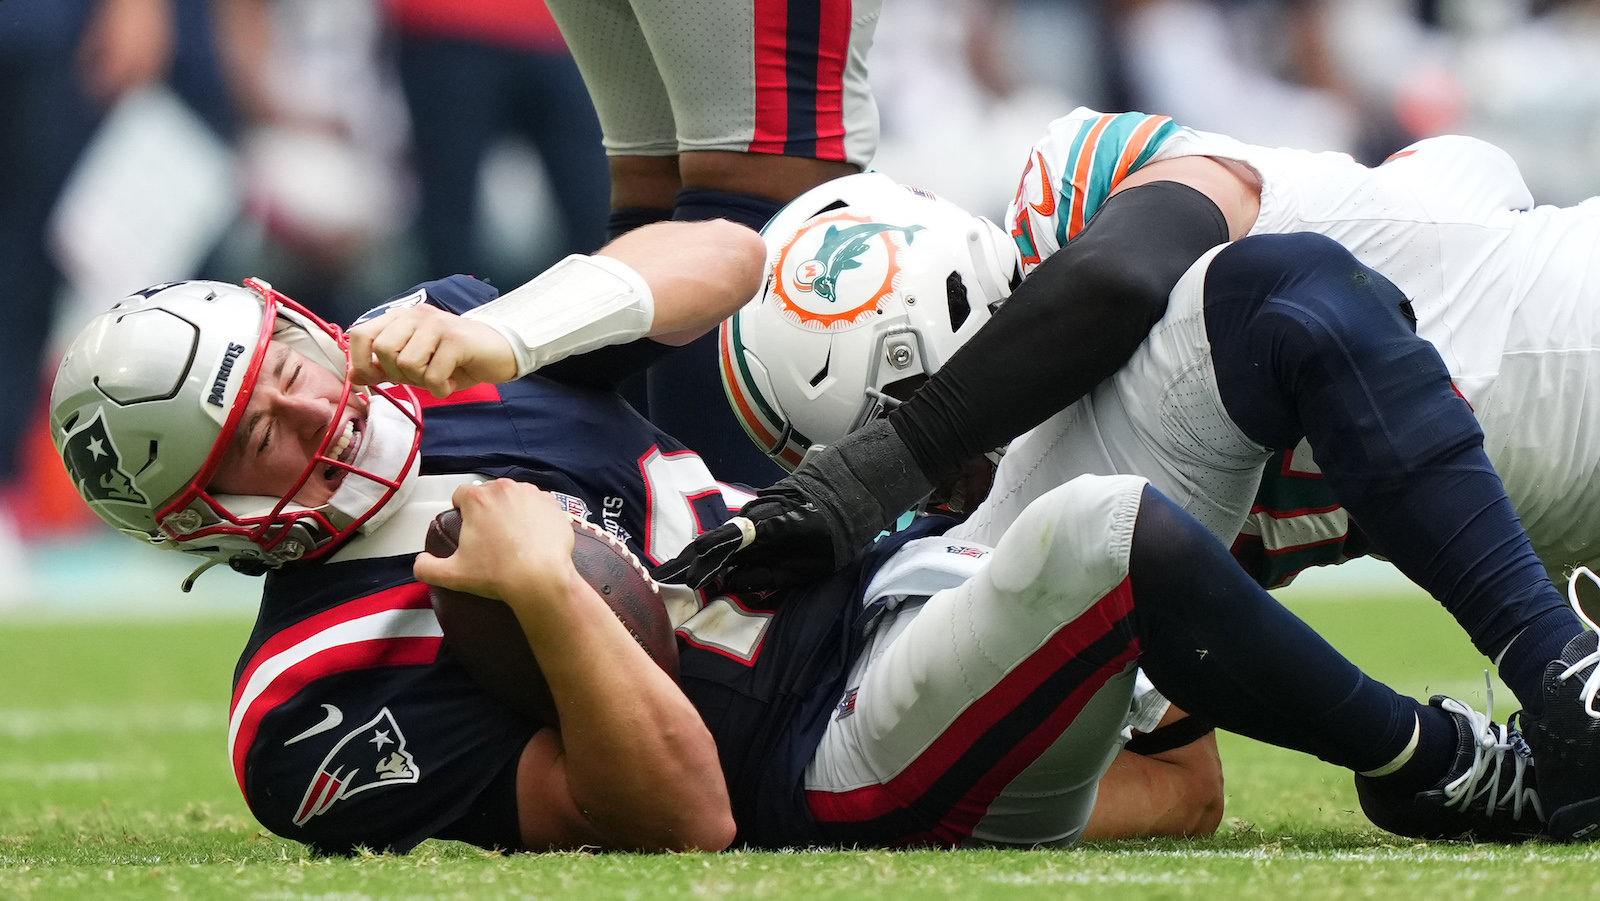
(620, 547)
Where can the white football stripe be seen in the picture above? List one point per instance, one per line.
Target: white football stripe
(1299, 531)
(405, 623)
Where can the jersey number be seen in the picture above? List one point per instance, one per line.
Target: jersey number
(682, 497)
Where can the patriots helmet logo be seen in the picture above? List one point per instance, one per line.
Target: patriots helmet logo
(372, 755)
(95, 465)
(837, 269)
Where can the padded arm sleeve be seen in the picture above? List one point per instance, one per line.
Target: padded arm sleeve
(1071, 323)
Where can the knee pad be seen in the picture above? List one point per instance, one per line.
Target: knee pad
(1071, 545)
(1308, 342)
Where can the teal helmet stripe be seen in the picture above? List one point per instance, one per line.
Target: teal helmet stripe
(786, 445)
(775, 420)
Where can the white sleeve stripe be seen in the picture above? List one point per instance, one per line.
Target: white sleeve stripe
(403, 623)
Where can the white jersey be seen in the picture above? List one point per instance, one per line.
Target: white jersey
(1503, 289)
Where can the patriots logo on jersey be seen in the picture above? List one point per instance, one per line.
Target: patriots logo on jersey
(839, 257)
(410, 300)
(962, 550)
(96, 465)
(371, 756)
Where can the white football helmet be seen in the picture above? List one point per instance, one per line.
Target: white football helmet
(870, 287)
(148, 399)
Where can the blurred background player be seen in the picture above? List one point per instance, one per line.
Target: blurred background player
(475, 73)
(63, 65)
(718, 109)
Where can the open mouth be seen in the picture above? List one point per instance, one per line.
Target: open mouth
(345, 449)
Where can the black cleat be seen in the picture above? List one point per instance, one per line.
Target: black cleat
(1489, 794)
(1565, 739)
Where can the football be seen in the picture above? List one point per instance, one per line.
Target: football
(489, 641)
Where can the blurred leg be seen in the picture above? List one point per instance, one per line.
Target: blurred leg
(553, 109)
(48, 124)
(455, 93)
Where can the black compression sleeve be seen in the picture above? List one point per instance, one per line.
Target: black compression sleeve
(1071, 323)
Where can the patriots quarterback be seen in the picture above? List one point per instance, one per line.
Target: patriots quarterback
(935, 691)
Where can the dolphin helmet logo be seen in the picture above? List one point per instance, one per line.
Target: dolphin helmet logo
(841, 251)
(836, 270)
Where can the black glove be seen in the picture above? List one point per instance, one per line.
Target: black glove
(812, 522)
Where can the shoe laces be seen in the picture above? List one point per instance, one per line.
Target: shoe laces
(1483, 780)
(1591, 684)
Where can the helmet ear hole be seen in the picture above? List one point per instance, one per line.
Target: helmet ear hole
(823, 372)
(154, 446)
(955, 293)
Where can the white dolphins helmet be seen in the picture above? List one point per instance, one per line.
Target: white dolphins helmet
(150, 394)
(870, 287)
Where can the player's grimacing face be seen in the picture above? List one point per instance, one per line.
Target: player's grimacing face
(289, 414)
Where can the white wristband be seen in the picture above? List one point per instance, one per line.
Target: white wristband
(580, 304)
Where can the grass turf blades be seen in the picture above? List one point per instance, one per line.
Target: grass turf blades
(114, 784)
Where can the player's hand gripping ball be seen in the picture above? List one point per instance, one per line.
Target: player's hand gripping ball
(489, 641)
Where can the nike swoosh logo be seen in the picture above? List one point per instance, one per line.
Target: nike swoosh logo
(330, 721)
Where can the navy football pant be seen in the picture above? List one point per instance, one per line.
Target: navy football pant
(1307, 342)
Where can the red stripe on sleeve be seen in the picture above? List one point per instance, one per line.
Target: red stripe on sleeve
(477, 394)
(410, 596)
(339, 659)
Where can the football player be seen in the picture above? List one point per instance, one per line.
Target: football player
(1114, 209)
(721, 108)
(934, 692)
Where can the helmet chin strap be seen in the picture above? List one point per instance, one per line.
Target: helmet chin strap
(386, 441)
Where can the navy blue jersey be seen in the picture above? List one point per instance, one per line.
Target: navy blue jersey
(353, 725)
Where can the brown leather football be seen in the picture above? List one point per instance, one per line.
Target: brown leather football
(486, 637)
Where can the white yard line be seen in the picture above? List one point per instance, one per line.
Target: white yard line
(80, 771)
(23, 723)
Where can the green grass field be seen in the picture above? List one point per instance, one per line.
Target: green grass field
(114, 784)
